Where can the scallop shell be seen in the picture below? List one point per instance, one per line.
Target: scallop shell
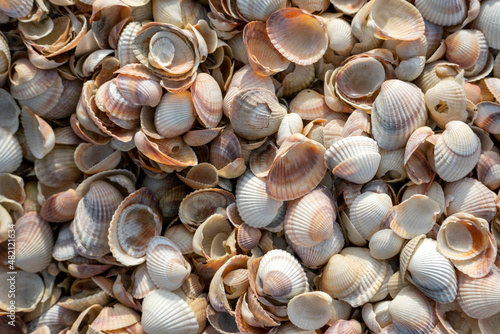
(404, 21)
(442, 13)
(65, 247)
(488, 117)
(93, 159)
(404, 100)
(11, 155)
(414, 216)
(310, 310)
(391, 166)
(479, 297)
(309, 220)
(182, 237)
(488, 169)
(340, 37)
(58, 167)
(305, 28)
(298, 168)
(255, 206)
(367, 212)
(446, 102)
(355, 159)
(166, 265)
(207, 100)
(486, 22)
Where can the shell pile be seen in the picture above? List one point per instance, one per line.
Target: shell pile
(244, 166)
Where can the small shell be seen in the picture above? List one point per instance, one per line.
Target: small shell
(11, 154)
(345, 327)
(488, 169)
(367, 212)
(280, 276)
(309, 105)
(64, 248)
(416, 215)
(355, 159)
(175, 114)
(305, 28)
(404, 21)
(166, 265)
(210, 238)
(29, 291)
(411, 312)
(10, 111)
(479, 298)
(391, 166)
(487, 23)
(207, 100)
(310, 310)
(252, 11)
(182, 237)
(290, 124)
(385, 244)
(456, 152)
(446, 102)
(298, 168)
(93, 159)
(398, 110)
(58, 167)
(255, 206)
(248, 237)
(166, 312)
(341, 39)
(463, 47)
(442, 13)
(309, 220)
(115, 317)
(488, 117)
(470, 196)
(201, 204)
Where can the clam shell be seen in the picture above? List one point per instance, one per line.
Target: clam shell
(298, 168)
(470, 196)
(260, 11)
(175, 114)
(411, 312)
(309, 220)
(404, 100)
(340, 37)
(210, 238)
(10, 111)
(456, 152)
(442, 13)
(135, 222)
(345, 327)
(367, 212)
(201, 204)
(404, 22)
(93, 159)
(305, 28)
(30, 291)
(385, 244)
(488, 169)
(280, 276)
(463, 48)
(248, 237)
(58, 167)
(166, 265)
(355, 159)
(309, 105)
(310, 310)
(207, 100)
(479, 297)
(290, 124)
(164, 311)
(11, 154)
(182, 237)
(142, 282)
(115, 317)
(64, 248)
(124, 50)
(391, 166)
(486, 22)
(255, 206)
(201, 176)
(446, 102)
(416, 215)
(488, 117)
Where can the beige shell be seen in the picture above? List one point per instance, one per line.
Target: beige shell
(456, 152)
(298, 168)
(404, 100)
(309, 220)
(445, 14)
(210, 238)
(93, 159)
(403, 22)
(115, 317)
(305, 28)
(367, 212)
(486, 22)
(58, 167)
(466, 241)
(391, 166)
(340, 37)
(446, 102)
(290, 124)
(29, 291)
(309, 105)
(488, 169)
(355, 159)
(182, 237)
(255, 206)
(411, 312)
(414, 216)
(479, 297)
(207, 100)
(166, 265)
(10, 112)
(385, 244)
(310, 310)
(65, 247)
(470, 196)
(11, 154)
(488, 117)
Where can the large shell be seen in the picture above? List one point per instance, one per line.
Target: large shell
(355, 159)
(446, 13)
(175, 114)
(403, 22)
(298, 168)
(487, 23)
(309, 220)
(398, 110)
(488, 169)
(58, 167)
(291, 30)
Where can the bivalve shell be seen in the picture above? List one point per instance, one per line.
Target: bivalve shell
(479, 298)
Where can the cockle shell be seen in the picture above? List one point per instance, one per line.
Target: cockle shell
(10, 112)
(478, 297)
(414, 216)
(488, 169)
(207, 100)
(486, 23)
(367, 212)
(310, 310)
(403, 23)
(30, 291)
(11, 154)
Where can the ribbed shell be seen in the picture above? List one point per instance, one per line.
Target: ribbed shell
(175, 114)
(341, 39)
(411, 312)
(309, 220)
(310, 310)
(58, 167)
(259, 10)
(385, 244)
(444, 13)
(166, 312)
(11, 154)
(34, 243)
(487, 22)
(416, 215)
(402, 22)
(125, 53)
(355, 159)
(115, 317)
(479, 298)
(367, 212)
(309, 105)
(488, 117)
(64, 248)
(182, 237)
(255, 206)
(488, 169)
(207, 99)
(398, 110)
(92, 218)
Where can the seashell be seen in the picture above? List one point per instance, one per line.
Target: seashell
(248, 237)
(124, 49)
(456, 152)
(437, 71)
(280, 276)
(486, 23)
(255, 206)
(463, 47)
(64, 248)
(348, 7)
(82, 300)
(135, 222)
(414, 216)
(251, 11)
(318, 255)
(92, 218)
(309, 105)
(404, 22)
(466, 241)
(256, 113)
(142, 282)
(355, 159)
(10, 111)
(34, 243)
(310, 310)
(261, 159)
(434, 192)
(410, 69)
(478, 297)
(93, 159)
(421, 318)
(290, 124)
(207, 100)
(446, 102)
(470, 196)
(345, 327)
(367, 212)
(200, 137)
(30, 291)
(182, 237)
(288, 179)
(309, 220)
(11, 154)
(488, 325)
(445, 14)
(296, 78)
(225, 155)
(57, 168)
(385, 244)
(262, 55)
(397, 98)
(115, 317)
(391, 166)
(488, 117)
(165, 311)
(488, 169)
(296, 22)
(209, 239)
(166, 265)
(340, 37)
(429, 270)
